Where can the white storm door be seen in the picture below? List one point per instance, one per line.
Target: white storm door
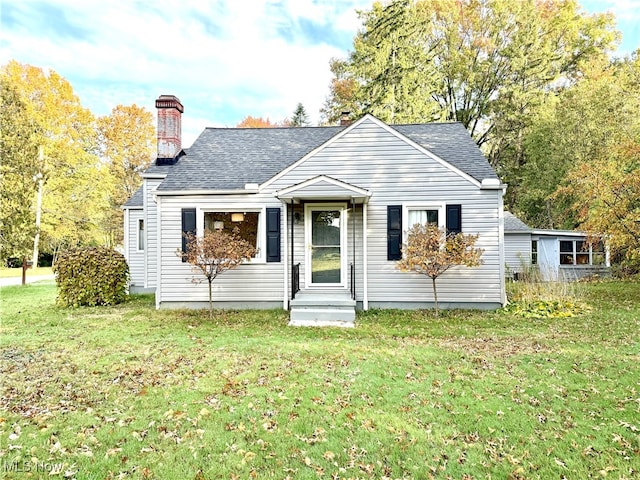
(325, 232)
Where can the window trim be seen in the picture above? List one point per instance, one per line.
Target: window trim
(574, 253)
(138, 249)
(261, 237)
(441, 208)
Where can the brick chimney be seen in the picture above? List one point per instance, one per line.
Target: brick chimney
(169, 126)
(345, 119)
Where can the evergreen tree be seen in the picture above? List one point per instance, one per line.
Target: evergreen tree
(300, 117)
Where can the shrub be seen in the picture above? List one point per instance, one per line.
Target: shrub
(91, 276)
(531, 297)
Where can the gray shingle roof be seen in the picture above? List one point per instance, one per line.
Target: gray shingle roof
(136, 200)
(229, 158)
(514, 224)
(452, 143)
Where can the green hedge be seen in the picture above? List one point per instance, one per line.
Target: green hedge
(91, 276)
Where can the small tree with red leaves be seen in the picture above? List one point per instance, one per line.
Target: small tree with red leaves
(431, 252)
(215, 253)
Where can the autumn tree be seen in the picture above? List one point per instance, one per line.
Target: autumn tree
(73, 180)
(126, 143)
(18, 175)
(485, 64)
(300, 117)
(579, 132)
(215, 253)
(601, 186)
(259, 122)
(431, 251)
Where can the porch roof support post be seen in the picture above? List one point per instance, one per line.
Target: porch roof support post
(292, 259)
(285, 260)
(365, 269)
(353, 241)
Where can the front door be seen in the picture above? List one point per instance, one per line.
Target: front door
(325, 240)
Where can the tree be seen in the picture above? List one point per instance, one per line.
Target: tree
(126, 143)
(214, 253)
(431, 252)
(18, 171)
(259, 122)
(73, 180)
(300, 117)
(572, 148)
(483, 63)
(602, 184)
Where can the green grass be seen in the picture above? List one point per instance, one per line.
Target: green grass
(130, 392)
(17, 272)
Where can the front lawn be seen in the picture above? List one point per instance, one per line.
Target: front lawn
(130, 392)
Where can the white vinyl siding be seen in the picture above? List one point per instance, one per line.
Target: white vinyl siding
(135, 258)
(395, 173)
(150, 223)
(255, 281)
(517, 251)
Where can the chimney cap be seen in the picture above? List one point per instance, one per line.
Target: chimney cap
(169, 101)
(345, 118)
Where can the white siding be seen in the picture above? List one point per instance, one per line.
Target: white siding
(256, 281)
(394, 172)
(371, 158)
(151, 230)
(135, 258)
(517, 251)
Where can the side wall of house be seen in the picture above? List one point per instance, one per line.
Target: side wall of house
(517, 251)
(257, 284)
(396, 173)
(135, 257)
(151, 232)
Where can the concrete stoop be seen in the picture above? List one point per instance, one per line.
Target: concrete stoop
(323, 308)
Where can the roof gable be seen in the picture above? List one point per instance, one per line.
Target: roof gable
(322, 186)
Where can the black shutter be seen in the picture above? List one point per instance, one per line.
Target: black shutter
(394, 232)
(273, 234)
(188, 226)
(454, 219)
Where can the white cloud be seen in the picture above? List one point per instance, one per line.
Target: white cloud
(224, 59)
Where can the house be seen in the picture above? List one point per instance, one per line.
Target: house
(557, 255)
(328, 209)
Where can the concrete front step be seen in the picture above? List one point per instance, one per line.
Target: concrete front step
(321, 308)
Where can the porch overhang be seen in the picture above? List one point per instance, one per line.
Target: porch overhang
(323, 188)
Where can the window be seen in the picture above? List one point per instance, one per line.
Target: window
(598, 255)
(566, 252)
(247, 223)
(580, 252)
(140, 234)
(534, 252)
(423, 215)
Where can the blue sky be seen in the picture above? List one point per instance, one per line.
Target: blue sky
(224, 59)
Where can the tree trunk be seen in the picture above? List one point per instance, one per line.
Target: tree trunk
(435, 295)
(210, 300)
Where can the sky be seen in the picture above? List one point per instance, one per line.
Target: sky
(224, 59)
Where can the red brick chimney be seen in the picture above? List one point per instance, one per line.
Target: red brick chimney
(169, 126)
(345, 118)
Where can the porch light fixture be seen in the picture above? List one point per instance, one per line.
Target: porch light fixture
(237, 217)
